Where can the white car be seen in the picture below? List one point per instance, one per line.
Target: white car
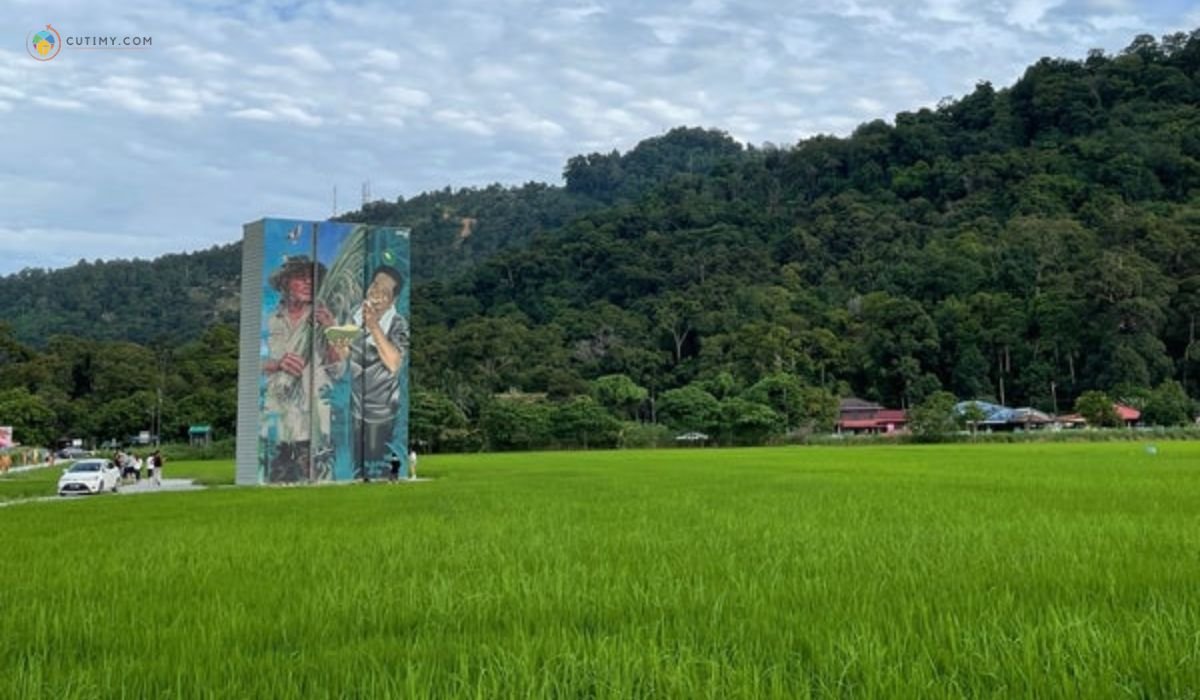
(89, 476)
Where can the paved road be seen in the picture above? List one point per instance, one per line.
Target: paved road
(167, 485)
(147, 486)
(134, 489)
(31, 467)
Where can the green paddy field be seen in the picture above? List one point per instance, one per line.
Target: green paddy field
(1027, 571)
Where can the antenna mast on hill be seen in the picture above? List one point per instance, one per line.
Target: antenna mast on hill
(366, 193)
(335, 200)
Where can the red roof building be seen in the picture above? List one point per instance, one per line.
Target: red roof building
(1129, 417)
(857, 416)
(1128, 414)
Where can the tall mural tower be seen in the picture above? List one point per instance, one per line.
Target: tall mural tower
(323, 370)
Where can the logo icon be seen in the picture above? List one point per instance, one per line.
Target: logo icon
(45, 44)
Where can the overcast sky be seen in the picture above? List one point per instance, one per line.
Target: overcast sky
(248, 108)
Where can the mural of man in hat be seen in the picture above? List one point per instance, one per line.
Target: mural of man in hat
(291, 400)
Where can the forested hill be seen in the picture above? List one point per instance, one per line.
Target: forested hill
(453, 230)
(171, 299)
(174, 298)
(1021, 244)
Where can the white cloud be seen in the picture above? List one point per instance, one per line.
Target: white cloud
(148, 152)
(616, 121)
(740, 126)
(58, 103)
(668, 112)
(200, 58)
(1028, 14)
(668, 30)
(488, 73)
(576, 15)
(802, 39)
(946, 11)
(810, 81)
(537, 126)
(581, 81)
(382, 59)
(297, 115)
(404, 96)
(272, 75)
(1109, 5)
(306, 58)
(868, 107)
(876, 16)
(707, 7)
(463, 121)
(278, 113)
(1110, 23)
(137, 95)
(255, 114)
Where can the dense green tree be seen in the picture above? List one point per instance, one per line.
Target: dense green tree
(1168, 404)
(1096, 407)
(748, 422)
(514, 424)
(722, 385)
(934, 418)
(122, 417)
(619, 394)
(582, 422)
(32, 421)
(690, 409)
(899, 343)
(433, 420)
(783, 393)
(972, 415)
(818, 409)
(203, 406)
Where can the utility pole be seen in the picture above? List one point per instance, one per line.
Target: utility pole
(163, 360)
(158, 418)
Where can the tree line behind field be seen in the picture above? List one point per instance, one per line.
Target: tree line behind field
(1023, 245)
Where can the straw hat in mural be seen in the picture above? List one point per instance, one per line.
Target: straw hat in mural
(296, 265)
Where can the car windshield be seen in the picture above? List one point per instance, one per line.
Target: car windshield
(92, 466)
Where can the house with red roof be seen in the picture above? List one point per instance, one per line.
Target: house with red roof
(1129, 416)
(857, 417)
